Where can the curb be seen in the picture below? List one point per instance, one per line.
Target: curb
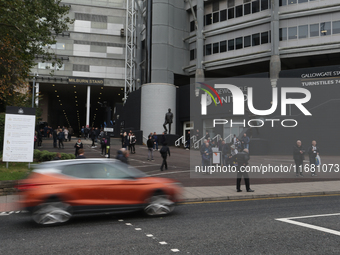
(247, 197)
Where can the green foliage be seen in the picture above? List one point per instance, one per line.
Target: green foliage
(15, 171)
(27, 29)
(40, 156)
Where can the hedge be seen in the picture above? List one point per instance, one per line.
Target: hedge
(40, 156)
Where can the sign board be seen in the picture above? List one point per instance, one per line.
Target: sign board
(216, 159)
(85, 81)
(107, 129)
(19, 134)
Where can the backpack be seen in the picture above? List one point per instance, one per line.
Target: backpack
(163, 150)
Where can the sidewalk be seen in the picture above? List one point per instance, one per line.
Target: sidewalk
(217, 193)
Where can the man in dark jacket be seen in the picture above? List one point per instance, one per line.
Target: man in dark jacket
(245, 141)
(122, 155)
(150, 144)
(164, 153)
(163, 138)
(313, 151)
(80, 154)
(242, 159)
(225, 153)
(298, 155)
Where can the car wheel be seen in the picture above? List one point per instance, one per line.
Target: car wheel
(159, 204)
(52, 213)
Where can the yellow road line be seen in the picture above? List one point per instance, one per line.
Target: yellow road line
(254, 199)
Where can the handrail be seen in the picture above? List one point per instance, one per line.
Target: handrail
(225, 139)
(216, 137)
(178, 141)
(194, 138)
(197, 143)
(145, 138)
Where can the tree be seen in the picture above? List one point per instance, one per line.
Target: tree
(27, 29)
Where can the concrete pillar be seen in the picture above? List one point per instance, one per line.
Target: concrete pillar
(275, 62)
(156, 99)
(199, 75)
(88, 97)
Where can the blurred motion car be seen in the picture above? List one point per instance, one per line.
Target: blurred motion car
(55, 191)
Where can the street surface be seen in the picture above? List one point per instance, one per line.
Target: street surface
(233, 227)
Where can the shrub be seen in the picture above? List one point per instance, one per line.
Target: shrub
(48, 156)
(37, 155)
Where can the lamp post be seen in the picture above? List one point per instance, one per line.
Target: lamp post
(33, 91)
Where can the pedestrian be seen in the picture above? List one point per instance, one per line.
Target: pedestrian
(164, 153)
(82, 131)
(93, 137)
(233, 152)
(123, 155)
(103, 143)
(207, 136)
(242, 159)
(298, 155)
(234, 139)
(61, 137)
(245, 141)
(187, 141)
(66, 134)
(206, 153)
(163, 138)
(313, 152)
(133, 141)
(81, 154)
(238, 145)
(55, 138)
(125, 140)
(150, 144)
(155, 141)
(86, 132)
(225, 153)
(57, 156)
(70, 133)
(78, 145)
(40, 136)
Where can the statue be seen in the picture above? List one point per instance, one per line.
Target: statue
(168, 120)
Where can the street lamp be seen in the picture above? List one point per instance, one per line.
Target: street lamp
(33, 87)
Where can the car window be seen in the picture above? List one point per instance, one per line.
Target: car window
(106, 171)
(77, 170)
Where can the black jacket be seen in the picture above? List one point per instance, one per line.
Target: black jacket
(164, 151)
(225, 150)
(296, 153)
(150, 143)
(311, 153)
(241, 158)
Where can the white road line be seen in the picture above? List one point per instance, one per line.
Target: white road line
(17, 212)
(327, 230)
(128, 224)
(165, 173)
(163, 243)
(175, 250)
(149, 235)
(138, 229)
(120, 220)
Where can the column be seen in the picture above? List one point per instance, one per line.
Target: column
(88, 106)
(37, 94)
(275, 62)
(199, 75)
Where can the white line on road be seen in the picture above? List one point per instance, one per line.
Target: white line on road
(327, 230)
(149, 235)
(163, 243)
(128, 224)
(175, 250)
(138, 229)
(165, 173)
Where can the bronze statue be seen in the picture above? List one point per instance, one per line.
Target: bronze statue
(168, 120)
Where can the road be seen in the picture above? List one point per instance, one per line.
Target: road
(233, 227)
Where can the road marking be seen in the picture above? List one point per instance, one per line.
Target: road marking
(128, 224)
(138, 229)
(120, 220)
(163, 243)
(169, 173)
(255, 199)
(149, 235)
(175, 250)
(327, 230)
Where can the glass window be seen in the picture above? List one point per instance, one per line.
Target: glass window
(192, 54)
(208, 49)
(192, 26)
(247, 9)
(255, 39)
(215, 6)
(42, 65)
(239, 43)
(303, 1)
(283, 34)
(314, 30)
(336, 27)
(231, 3)
(292, 33)
(231, 13)
(223, 46)
(60, 46)
(325, 28)
(239, 11)
(215, 48)
(216, 17)
(247, 41)
(255, 6)
(77, 170)
(264, 5)
(292, 1)
(303, 31)
(231, 44)
(223, 15)
(264, 38)
(62, 68)
(208, 19)
(282, 2)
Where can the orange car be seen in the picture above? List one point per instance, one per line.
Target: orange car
(57, 190)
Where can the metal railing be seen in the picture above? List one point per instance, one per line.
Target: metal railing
(178, 141)
(229, 136)
(145, 139)
(197, 143)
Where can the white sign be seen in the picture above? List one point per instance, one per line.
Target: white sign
(18, 138)
(216, 157)
(106, 129)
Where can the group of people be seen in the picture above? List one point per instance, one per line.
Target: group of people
(231, 156)
(299, 156)
(152, 144)
(129, 141)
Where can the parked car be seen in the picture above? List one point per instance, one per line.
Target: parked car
(57, 190)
